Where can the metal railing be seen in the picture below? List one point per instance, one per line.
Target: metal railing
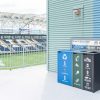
(24, 55)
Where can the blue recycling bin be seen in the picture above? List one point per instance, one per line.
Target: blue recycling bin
(65, 63)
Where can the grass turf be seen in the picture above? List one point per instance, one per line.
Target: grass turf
(11, 61)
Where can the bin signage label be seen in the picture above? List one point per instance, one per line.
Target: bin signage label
(65, 67)
(87, 59)
(77, 70)
(87, 72)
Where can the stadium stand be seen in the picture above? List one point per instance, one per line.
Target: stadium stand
(3, 47)
(20, 45)
(27, 46)
(14, 45)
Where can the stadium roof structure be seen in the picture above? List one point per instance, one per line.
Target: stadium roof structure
(21, 21)
(25, 17)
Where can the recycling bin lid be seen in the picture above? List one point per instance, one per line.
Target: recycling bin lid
(80, 51)
(92, 52)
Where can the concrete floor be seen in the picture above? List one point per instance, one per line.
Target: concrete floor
(37, 84)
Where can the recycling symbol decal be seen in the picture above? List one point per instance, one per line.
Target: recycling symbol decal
(64, 57)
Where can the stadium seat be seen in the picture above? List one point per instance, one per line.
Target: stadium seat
(2, 48)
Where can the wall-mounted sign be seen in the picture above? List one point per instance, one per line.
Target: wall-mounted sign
(77, 12)
(86, 44)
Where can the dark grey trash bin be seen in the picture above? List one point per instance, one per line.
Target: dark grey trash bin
(91, 71)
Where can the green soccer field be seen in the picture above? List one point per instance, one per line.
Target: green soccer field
(22, 59)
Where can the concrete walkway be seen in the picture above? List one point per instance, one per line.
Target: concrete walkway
(37, 84)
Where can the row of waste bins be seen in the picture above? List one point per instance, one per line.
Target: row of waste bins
(80, 69)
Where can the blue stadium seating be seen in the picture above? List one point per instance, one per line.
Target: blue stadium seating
(18, 49)
(3, 48)
(26, 47)
(6, 41)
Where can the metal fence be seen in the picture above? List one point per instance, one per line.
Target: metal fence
(22, 55)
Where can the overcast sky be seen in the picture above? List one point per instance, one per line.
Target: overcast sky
(23, 6)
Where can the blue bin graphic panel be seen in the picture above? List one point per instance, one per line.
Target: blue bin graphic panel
(65, 59)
